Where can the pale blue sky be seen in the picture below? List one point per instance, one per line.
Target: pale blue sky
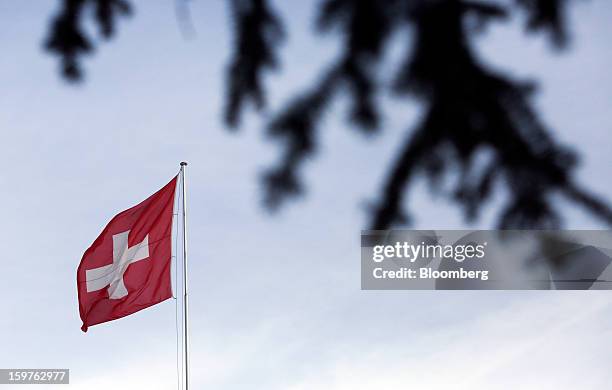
(276, 301)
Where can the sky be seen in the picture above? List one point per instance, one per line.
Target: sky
(275, 300)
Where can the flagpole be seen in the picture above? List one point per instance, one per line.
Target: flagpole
(185, 300)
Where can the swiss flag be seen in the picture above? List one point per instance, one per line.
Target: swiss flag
(127, 268)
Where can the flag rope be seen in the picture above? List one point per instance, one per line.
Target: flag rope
(185, 296)
(179, 351)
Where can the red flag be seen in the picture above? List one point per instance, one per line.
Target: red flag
(127, 268)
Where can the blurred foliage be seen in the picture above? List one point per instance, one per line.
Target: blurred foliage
(477, 121)
(67, 37)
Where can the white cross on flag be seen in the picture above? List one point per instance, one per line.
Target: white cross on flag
(127, 268)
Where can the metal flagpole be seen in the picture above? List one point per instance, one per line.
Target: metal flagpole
(185, 301)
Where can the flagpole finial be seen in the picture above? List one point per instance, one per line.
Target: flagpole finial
(183, 163)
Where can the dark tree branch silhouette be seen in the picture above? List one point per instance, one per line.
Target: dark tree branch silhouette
(67, 38)
(477, 121)
(258, 31)
(547, 15)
